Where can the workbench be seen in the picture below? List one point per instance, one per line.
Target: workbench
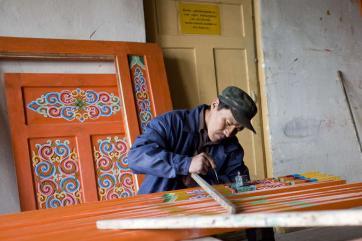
(79, 222)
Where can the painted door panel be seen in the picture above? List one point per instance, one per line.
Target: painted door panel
(70, 134)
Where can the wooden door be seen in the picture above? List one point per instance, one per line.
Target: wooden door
(200, 65)
(70, 134)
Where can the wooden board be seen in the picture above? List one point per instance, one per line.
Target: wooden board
(79, 221)
(251, 220)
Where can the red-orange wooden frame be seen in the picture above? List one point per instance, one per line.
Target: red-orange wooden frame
(85, 50)
(78, 222)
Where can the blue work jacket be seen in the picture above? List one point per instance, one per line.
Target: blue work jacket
(165, 149)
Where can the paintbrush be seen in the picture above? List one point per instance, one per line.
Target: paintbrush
(217, 177)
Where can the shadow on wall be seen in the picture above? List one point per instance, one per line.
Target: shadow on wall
(176, 85)
(9, 198)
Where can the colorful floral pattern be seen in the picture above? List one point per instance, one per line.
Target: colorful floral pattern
(184, 195)
(114, 178)
(196, 193)
(140, 88)
(76, 104)
(56, 174)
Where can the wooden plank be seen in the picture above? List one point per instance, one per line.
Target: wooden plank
(78, 222)
(262, 220)
(214, 194)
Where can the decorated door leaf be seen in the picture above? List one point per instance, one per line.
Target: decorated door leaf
(76, 134)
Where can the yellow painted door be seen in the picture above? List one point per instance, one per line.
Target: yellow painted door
(200, 65)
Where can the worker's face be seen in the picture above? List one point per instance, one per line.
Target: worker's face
(221, 124)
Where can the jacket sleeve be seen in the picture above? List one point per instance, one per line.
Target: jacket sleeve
(233, 165)
(151, 154)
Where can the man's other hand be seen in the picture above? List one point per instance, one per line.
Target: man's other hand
(201, 164)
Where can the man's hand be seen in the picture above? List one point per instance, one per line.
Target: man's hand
(201, 164)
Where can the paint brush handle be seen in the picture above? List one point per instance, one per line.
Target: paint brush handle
(223, 201)
(217, 177)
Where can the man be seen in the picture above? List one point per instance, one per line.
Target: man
(181, 142)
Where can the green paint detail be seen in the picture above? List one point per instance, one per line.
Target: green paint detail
(136, 60)
(255, 197)
(299, 203)
(259, 202)
(245, 188)
(80, 104)
(169, 197)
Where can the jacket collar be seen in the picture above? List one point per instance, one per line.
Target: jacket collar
(193, 119)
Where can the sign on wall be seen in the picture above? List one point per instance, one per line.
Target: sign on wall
(199, 18)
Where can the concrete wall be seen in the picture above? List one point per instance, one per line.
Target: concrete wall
(305, 42)
(118, 20)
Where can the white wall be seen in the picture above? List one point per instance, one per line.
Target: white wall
(117, 20)
(305, 42)
(121, 20)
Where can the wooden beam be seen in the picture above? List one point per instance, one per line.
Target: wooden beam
(262, 220)
(231, 208)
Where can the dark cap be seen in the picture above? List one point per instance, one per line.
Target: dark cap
(241, 105)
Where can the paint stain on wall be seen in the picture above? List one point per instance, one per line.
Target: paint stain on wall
(328, 124)
(319, 50)
(301, 127)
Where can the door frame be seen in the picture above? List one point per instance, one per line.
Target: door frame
(262, 87)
